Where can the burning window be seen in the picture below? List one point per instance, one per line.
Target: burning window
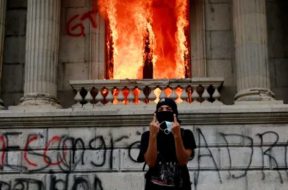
(146, 38)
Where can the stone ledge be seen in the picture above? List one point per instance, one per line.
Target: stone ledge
(141, 115)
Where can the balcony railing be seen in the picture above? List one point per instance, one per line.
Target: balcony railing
(195, 91)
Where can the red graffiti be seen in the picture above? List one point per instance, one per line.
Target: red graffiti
(63, 152)
(29, 140)
(75, 25)
(2, 139)
(46, 158)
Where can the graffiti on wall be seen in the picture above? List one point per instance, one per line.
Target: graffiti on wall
(62, 152)
(75, 25)
(266, 149)
(66, 154)
(55, 183)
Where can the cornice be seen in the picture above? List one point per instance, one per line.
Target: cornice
(134, 116)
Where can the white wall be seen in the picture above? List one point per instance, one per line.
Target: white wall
(241, 157)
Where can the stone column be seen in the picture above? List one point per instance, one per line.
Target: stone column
(42, 49)
(198, 38)
(2, 32)
(251, 51)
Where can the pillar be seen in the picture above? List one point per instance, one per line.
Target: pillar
(251, 51)
(42, 50)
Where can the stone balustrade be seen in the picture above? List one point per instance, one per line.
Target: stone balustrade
(93, 93)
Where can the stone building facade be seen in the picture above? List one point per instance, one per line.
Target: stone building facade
(57, 131)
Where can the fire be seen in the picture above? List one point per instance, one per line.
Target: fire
(146, 38)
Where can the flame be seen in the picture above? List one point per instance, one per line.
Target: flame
(162, 22)
(182, 49)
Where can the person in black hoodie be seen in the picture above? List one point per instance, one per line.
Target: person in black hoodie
(166, 148)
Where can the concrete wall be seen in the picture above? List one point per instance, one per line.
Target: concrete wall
(219, 45)
(229, 156)
(81, 46)
(14, 52)
(80, 39)
(239, 157)
(278, 46)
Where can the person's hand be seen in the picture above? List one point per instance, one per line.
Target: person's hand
(154, 126)
(176, 127)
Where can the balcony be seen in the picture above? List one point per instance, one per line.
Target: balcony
(122, 103)
(90, 94)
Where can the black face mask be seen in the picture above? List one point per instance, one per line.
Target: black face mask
(165, 116)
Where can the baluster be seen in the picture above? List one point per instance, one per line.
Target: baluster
(184, 95)
(141, 96)
(93, 92)
(114, 92)
(189, 91)
(205, 95)
(130, 97)
(195, 96)
(152, 97)
(162, 93)
(109, 96)
(173, 94)
(120, 97)
(99, 97)
(78, 99)
(88, 98)
(216, 95)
